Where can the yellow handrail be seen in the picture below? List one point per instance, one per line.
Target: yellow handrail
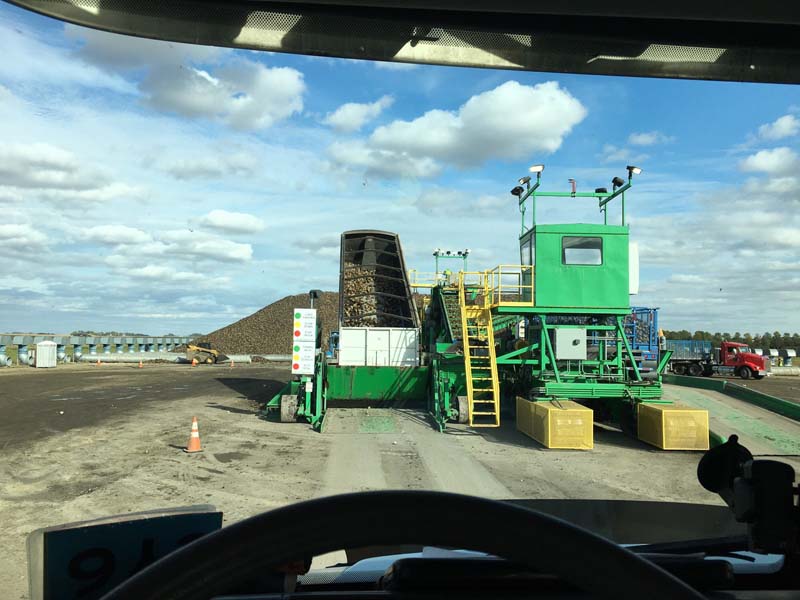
(502, 286)
(417, 279)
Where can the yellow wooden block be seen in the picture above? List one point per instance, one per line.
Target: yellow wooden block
(524, 416)
(673, 427)
(557, 424)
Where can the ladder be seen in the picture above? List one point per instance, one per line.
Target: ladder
(480, 363)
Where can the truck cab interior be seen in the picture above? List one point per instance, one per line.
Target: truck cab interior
(490, 548)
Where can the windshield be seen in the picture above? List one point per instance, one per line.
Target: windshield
(248, 279)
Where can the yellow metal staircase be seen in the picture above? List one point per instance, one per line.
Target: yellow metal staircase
(480, 360)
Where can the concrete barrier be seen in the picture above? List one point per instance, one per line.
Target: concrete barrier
(786, 371)
(740, 392)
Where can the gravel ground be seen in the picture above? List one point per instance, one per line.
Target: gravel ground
(787, 387)
(82, 442)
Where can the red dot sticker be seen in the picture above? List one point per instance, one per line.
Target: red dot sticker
(296, 333)
(295, 366)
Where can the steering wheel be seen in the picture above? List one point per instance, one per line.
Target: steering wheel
(214, 563)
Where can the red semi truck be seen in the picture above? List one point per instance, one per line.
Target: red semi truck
(696, 358)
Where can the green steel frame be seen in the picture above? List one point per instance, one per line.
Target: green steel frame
(612, 377)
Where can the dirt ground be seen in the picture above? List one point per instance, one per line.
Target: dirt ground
(81, 442)
(786, 387)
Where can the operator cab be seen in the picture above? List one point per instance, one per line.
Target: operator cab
(577, 265)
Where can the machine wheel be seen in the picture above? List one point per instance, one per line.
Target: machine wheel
(463, 409)
(204, 358)
(288, 408)
(745, 373)
(708, 371)
(679, 369)
(694, 369)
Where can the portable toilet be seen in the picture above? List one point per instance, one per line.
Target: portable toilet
(45, 355)
(758, 351)
(774, 357)
(789, 355)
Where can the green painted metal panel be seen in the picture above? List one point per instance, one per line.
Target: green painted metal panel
(602, 390)
(716, 439)
(704, 383)
(376, 383)
(776, 405)
(581, 286)
(555, 310)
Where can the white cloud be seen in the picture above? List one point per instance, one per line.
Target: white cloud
(233, 222)
(612, 153)
(394, 66)
(22, 284)
(246, 95)
(326, 244)
(20, 235)
(683, 278)
(437, 200)
(358, 154)
(783, 127)
(205, 246)
(649, 138)
(512, 121)
(776, 161)
(773, 185)
(40, 165)
(114, 51)
(34, 61)
(115, 234)
(353, 116)
(208, 167)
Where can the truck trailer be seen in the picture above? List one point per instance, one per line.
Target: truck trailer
(697, 357)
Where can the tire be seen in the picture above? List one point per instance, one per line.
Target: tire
(694, 369)
(463, 410)
(745, 373)
(708, 371)
(288, 409)
(679, 369)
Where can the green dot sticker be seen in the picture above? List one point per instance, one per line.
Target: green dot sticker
(296, 315)
(297, 348)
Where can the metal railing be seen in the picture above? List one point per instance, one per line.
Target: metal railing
(505, 285)
(419, 279)
(510, 285)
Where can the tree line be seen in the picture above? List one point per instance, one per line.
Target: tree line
(766, 340)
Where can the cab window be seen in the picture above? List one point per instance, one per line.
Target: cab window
(580, 250)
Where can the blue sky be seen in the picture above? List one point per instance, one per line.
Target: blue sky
(168, 188)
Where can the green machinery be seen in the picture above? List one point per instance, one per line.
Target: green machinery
(547, 333)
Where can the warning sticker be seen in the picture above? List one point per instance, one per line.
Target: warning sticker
(305, 325)
(303, 358)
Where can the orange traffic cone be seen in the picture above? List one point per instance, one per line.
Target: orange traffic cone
(231, 363)
(194, 362)
(141, 366)
(98, 362)
(194, 439)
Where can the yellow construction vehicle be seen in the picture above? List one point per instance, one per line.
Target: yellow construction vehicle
(204, 353)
